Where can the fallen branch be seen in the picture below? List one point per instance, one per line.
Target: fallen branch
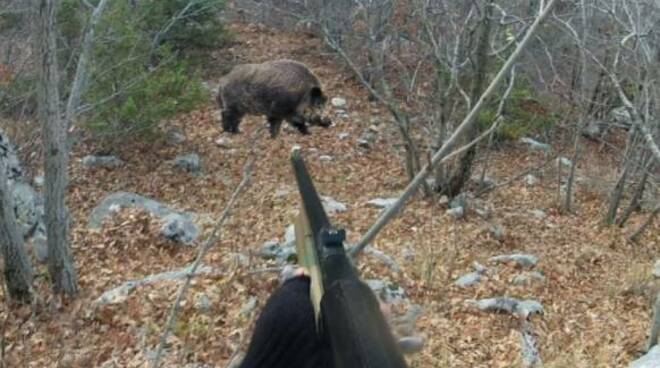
(447, 147)
(211, 240)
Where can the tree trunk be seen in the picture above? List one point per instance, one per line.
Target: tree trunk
(639, 191)
(462, 173)
(18, 270)
(55, 147)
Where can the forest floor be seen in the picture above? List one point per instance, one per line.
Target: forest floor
(595, 295)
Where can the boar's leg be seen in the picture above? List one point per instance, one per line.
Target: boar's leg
(274, 125)
(231, 118)
(299, 123)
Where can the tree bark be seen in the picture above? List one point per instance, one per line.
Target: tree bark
(55, 147)
(464, 170)
(18, 270)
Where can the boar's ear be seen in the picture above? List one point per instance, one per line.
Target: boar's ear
(316, 97)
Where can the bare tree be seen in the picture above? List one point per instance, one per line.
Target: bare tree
(61, 265)
(17, 267)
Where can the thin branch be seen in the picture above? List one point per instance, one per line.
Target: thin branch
(211, 240)
(466, 125)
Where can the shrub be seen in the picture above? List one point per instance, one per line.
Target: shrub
(523, 116)
(137, 75)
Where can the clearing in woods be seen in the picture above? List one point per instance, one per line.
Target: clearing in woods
(594, 294)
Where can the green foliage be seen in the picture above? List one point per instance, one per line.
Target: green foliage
(139, 75)
(523, 116)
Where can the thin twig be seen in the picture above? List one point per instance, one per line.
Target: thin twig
(211, 240)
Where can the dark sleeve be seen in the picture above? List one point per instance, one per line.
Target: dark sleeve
(285, 332)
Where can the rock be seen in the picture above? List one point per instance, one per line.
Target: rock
(531, 180)
(388, 292)
(564, 162)
(116, 201)
(514, 306)
(92, 161)
(290, 236)
(621, 117)
(404, 325)
(456, 213)
(223, 142)
(332, 206)
(190, 163)
(535, 145)
(522, 260)
(539, 214)
(39, 181)
(649, 360)
(528, 278)
(384, 258)
(367, 139)
(593, 129)
(382, 202)
(282, 192)
(325, 158)
(248, 307)
(496, 231)
(443, 200)
(281, 254)
(460, 200)
(411, 344)
(179, 229)
(288, 272)
(469, 279)
(343, 136)
(338, 102)
(174, 136)
(479, 267)
(656, 269)
(203, 303)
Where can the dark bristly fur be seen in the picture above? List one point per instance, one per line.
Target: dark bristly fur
(280, 89)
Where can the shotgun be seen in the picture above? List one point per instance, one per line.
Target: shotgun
(348, 314)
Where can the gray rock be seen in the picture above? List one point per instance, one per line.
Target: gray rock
(388, 292)
(190, 163)
(496, 231)
(443, 200)
(367, 139)
(564, 162)
(593, 129)
(656, 269)
(179, 228)
(457, 212)
(281, 254)
(248, 307)
(93, 161)
(116, 201)
(343, 136)
(531, 180)
(528, 278)
(460, 200)
(411, 344)
(479, 267)
(203, 303)
(332, 206)
(539, 214)
(384, 258)
(408, 254)
(469, 279)
(522, 260)
(382, 202)
(39, 180)
(174, 136)
(325, 158)
(621, 117)
(338, 102)
(404, 325)
(282, 192)
(535, 145)
(223, 142)
(290, 236)
(509, 305)
(649, 360)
